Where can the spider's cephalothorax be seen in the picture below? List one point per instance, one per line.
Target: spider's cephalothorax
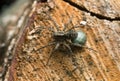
(61, 36)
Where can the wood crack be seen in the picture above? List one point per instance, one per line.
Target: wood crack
(99, 16)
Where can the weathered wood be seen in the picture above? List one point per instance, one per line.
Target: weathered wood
(29, 63)
(11, 21)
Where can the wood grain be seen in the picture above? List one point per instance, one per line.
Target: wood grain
(29, 62)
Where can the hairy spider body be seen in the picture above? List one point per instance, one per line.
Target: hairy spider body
(63, 36)
(75, 37)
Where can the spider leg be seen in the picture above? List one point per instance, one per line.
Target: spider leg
(76, 64)
(52, 43)
(80, 66)
(51, 29)
(51, 53)
(66, 25)
(73, 28)
(73, 58)
(69, 48)
(79, 45)
(90, 49)
(75, 44)
(56, 25)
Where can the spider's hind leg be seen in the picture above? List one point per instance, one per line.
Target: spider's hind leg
(51, 53)
(82, 46)
(52, 43)
(69, 48)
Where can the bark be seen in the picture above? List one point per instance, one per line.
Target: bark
(12, 19)
(100, 21)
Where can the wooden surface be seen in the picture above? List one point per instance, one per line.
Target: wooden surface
(103, 35)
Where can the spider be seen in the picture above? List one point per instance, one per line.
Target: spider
(66, 38)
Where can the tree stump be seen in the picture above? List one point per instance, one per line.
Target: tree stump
(100, 20)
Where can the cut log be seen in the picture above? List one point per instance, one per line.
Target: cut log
(101, 62)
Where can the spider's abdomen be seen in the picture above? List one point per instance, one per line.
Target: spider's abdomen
(80, 38)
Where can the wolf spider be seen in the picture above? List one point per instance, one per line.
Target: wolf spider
(66, 38)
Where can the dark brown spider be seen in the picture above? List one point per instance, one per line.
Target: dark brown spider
(66, 38)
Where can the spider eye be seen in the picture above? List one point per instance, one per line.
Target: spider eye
(81, 38)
